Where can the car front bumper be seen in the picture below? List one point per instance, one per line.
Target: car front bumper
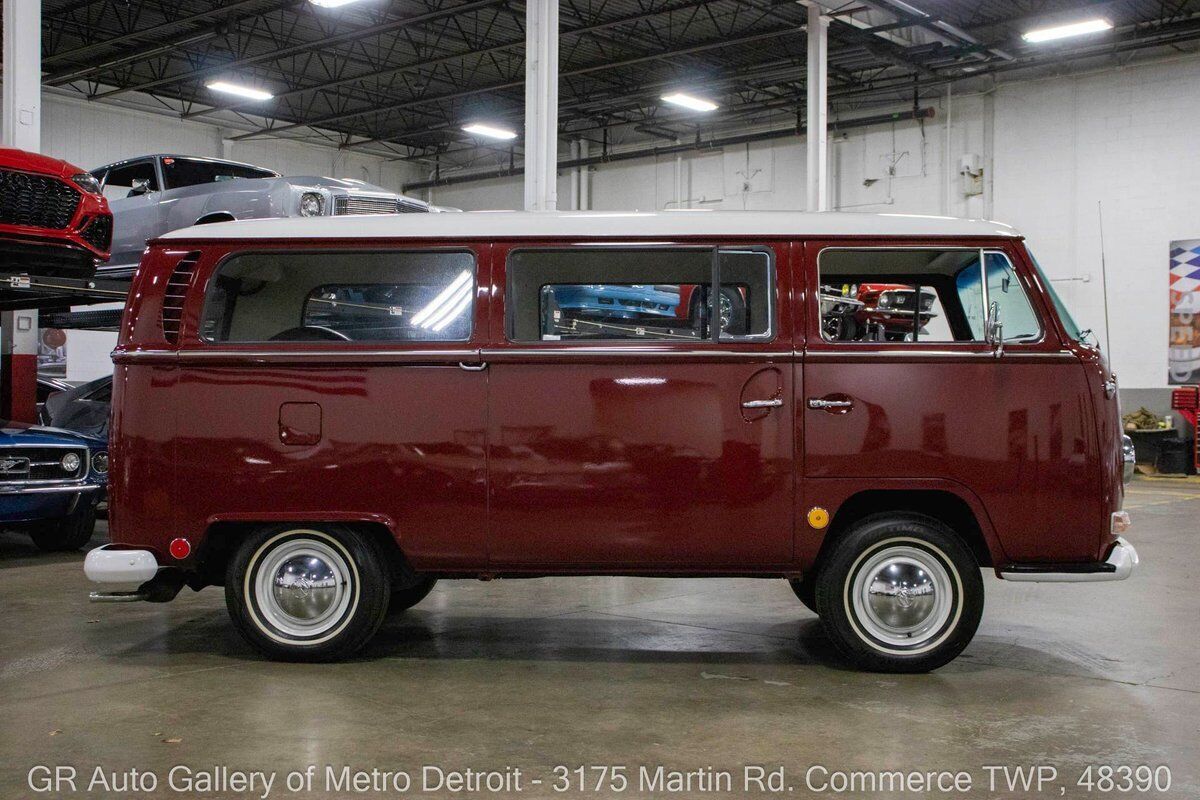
(36, 502)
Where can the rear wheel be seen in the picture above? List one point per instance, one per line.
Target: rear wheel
(69, 533)
(307, 593)
(900, 593)
(404, 599)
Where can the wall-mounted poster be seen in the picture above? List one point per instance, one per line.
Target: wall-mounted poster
(1183, 355)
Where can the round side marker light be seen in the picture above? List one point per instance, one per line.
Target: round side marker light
(180, 549)
(818, 517)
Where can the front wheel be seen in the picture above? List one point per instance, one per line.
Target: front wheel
(900, 593)
(307, 593)
(69, 533)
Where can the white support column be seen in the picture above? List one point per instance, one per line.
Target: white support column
(817, 119)
(23, 75)
(22, 128)
(541, 105)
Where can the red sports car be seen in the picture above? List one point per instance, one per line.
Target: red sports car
(53, 218)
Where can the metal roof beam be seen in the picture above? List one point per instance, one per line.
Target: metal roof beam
(276, 55)
(87, 51)
(426, 63)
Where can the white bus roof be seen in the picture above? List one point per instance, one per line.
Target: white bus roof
(595, 224)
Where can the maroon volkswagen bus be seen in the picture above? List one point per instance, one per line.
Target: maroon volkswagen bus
(328, 416)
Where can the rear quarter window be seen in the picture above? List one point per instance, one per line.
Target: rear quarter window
(341, 296)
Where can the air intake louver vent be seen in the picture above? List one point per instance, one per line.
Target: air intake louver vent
(177, 286)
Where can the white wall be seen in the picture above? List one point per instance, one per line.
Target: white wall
(1052, 150)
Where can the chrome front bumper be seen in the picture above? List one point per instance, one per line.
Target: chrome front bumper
(49, 488)
(1121, 562)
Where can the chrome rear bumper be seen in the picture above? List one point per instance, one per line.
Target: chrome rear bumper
(119, 568)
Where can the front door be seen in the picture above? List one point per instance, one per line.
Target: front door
(640, 408)
(902, 390)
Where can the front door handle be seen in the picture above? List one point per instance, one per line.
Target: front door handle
(480, 367)
(776, 403)
(822, 403)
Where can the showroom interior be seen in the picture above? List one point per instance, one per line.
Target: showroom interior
(1074, 121)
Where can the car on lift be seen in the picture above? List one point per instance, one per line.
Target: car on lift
(54, 221)
(151, 195)
(50, 484)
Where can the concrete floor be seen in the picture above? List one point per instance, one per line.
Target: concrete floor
(679, 673)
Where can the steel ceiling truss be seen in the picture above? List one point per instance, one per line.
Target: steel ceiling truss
(403, 76)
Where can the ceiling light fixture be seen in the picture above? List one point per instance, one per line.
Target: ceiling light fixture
(490, 131)
(332, 3)
(689, 102)
(241, 91)
(1067, 31)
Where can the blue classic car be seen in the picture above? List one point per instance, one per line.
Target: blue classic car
(51, 481)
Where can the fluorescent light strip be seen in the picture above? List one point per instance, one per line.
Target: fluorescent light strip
(458, 309)
(489, 131)
(443, 296)
(687, 101)
(241, 91)
(332, 3)
(1066, 31)
(444, 312)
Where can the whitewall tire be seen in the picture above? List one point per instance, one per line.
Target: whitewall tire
(307, 593)
(900, 593)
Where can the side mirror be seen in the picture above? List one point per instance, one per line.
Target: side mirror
(994, 329)
(141, 186)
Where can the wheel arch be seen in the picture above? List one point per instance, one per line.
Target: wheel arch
(223, 537)
(942, 504)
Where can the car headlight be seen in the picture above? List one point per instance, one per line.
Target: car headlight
(86, 182)
(885, 300)
(100, 462)
(312, 204)
(71, 462)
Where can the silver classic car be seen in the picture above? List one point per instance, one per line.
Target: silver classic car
(151, 195)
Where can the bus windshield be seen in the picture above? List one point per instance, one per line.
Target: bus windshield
(1067, 320)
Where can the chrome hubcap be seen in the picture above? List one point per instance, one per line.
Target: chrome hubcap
(902, 595)
(302, 587)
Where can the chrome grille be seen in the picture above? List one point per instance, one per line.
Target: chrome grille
(345, 204)
(37, 201)
(176, 292)
(25, 464)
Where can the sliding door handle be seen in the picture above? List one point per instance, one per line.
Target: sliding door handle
(776, 403)
(480, 367)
